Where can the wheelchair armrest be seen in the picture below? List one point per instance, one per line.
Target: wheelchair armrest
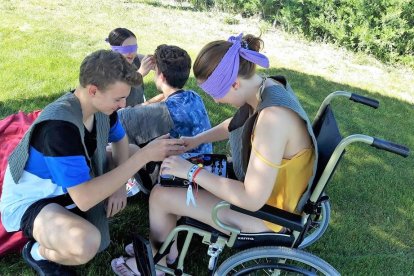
(275, 215)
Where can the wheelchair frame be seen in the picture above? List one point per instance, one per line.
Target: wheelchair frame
(298, 224)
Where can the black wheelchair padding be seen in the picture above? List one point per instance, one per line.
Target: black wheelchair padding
(327, 137)
(215, 163)
(245, 240)
(144, 258)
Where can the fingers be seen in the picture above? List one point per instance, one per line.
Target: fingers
(115, 206)
(109, 209)
(165, 136)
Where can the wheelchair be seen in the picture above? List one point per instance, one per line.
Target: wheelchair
(272, 253)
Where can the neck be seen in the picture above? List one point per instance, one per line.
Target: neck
(252, 87)
(87, 109)
(168, 90)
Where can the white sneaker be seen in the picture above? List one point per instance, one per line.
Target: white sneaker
(132, 187)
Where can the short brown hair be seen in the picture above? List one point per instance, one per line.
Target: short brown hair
(211, 55)
(105, 67)
(174, 63)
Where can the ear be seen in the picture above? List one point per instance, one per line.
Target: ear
(163, 78)
(236, 84)
(92, 90)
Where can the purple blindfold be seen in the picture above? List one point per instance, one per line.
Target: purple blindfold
(125, 49)
(225, 74)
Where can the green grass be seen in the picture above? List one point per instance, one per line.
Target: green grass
(370, 233)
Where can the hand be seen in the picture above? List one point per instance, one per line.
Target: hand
(176, 165)
(116, 202)
(190, 142)
(147, 64)
(162, 147)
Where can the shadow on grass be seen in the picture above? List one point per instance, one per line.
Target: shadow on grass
(27, 104)
(371, 192)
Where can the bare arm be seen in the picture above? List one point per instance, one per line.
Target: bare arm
(217, 133)
(155, 99)
(90, 193)
(118, 200)
(120, 152)
(260, 178)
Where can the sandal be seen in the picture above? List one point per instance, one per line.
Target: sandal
(120, 267)
(129, 249)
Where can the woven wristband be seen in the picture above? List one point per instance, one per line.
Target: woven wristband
(196, 173)
(190, 173)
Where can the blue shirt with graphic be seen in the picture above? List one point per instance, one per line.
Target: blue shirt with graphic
(190, 117)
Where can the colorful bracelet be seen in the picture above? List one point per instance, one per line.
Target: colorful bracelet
(195, 173)
(190, 173)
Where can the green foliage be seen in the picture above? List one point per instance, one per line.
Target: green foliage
(383, 28)
(231, 20)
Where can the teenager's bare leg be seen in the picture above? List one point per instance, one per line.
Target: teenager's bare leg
(166, 204)
(64, 237)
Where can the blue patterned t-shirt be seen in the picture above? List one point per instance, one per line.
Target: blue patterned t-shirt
(190, 117)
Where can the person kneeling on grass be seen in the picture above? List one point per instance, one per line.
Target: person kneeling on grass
(275, 166)
(55, 187)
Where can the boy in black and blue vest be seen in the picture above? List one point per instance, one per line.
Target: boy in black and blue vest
(56, 189)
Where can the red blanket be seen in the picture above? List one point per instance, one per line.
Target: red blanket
(12, 129)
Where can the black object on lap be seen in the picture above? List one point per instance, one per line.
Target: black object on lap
(215, 163)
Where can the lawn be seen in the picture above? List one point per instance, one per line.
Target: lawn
(370, 233)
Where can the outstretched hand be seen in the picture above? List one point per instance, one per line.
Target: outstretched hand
(163, 146)
(190, 142)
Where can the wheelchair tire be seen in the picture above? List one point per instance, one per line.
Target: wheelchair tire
(271, 260)
(319, 225)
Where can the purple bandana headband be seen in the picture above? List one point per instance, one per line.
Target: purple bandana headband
(125, 49)
(224, 75)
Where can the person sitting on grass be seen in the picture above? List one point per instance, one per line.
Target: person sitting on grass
(185, 107)
(181, 112)
(275, 166)
(56, 188)
(124, 41)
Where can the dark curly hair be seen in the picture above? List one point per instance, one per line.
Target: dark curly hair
(105, 67)
(174, 63)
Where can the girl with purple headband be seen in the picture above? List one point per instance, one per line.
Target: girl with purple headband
(124, 42)
(272, 144)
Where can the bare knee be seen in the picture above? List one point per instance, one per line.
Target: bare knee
(157, 196)
(85, 243)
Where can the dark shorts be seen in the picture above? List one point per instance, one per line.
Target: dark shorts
(26, 224)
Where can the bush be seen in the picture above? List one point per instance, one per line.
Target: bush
(383, 28)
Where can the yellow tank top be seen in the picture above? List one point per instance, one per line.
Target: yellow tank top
(291, 181)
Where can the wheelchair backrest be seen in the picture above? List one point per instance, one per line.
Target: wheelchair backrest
(328, 137)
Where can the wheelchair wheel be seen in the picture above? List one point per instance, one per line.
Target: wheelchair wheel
(274, 261)
(320, 222)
